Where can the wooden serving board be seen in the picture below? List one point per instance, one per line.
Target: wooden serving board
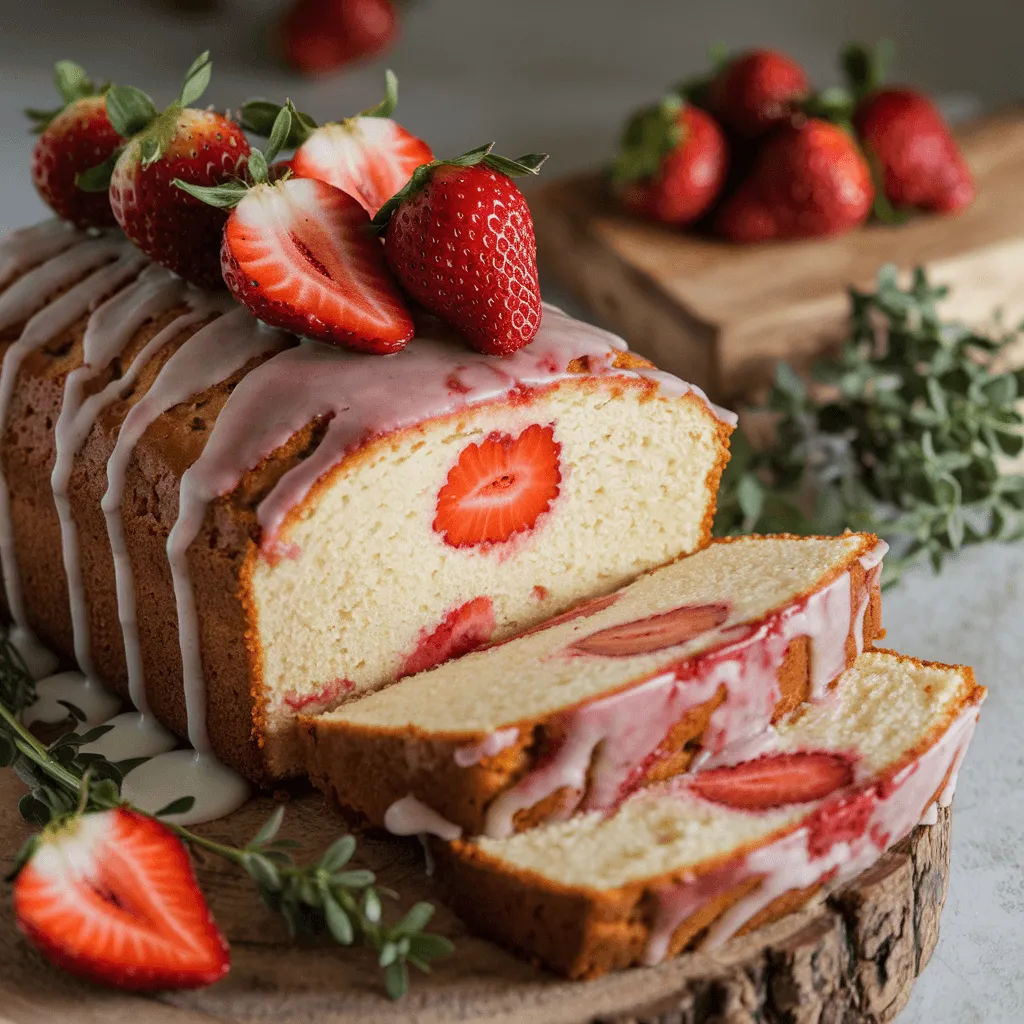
(721, 315)
(852, 958)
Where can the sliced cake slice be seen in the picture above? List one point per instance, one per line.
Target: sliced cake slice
(623, 690)
(751, 837)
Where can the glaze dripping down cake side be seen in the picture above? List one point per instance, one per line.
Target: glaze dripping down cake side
(232, 526)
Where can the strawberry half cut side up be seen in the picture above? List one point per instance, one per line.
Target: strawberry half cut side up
(459, 237)
(369, 156)
(462, 630)
(499, 487)
(111, 898)
(655, 633)
(300, 255)
(774, 780)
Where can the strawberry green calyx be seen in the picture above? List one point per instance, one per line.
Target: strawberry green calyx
(229, 194)
(73, 84)
(134, 116)
(866, 67)
(650, 135)
(258, 116)
(531, 163)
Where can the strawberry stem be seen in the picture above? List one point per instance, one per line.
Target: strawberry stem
(650, 135)
(531, 163)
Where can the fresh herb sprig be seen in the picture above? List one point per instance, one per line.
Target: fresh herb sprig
(910, 444)
(326, 897)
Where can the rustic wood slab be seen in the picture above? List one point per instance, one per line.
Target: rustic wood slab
(720, 315)
(852, 959)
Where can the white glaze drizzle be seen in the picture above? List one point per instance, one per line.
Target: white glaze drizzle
(29, 246)
(412, 817)
(211, 355)
(491, 745)
(606, 743)
(789, 864)
(110, 328)
(216, 789)
(92, 699)
(111, 261)
(132, 735)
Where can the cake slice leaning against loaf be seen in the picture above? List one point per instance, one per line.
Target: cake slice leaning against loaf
(623, 690)
(750, 838)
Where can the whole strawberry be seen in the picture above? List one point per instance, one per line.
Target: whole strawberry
(369, 156)
(756, 91)
(299, 253)
(809, 180)
(73, 138)
(321, 36)
(919, 164)
(459, 237)
(197, 146)
(672, 163)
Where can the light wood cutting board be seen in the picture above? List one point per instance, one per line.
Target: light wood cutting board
(721, 315)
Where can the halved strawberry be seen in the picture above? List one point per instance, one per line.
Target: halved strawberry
(462, 630)
(369, 156)
(499, 487)
(654, 633)
(111, 897)
(299, 254)
(774, 780)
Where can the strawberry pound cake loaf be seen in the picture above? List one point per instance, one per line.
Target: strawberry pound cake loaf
(621, 691)
(761, 829)
(231, 526)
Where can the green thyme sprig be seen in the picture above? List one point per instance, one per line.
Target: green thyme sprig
(326, 897)
(910, 444)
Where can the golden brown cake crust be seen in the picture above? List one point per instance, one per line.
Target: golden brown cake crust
(364, 769)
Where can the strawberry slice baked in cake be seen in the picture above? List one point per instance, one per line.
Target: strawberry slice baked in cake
(623, 690)
(760, 830)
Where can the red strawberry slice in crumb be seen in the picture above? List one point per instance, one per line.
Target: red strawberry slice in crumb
(370, 158)
(499, 487)
(111, 897)
(463, 630)
(655, 633)
(581, 611)
(298, 253)
(774, 780)
(318, 700)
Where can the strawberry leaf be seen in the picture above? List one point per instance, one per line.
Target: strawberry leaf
(197, 79)
(129, 110)
(866, 68)
(180, 806)
(528, 164)
(258, 117)
(41, 118)
(386, 107)
(257, 166)
(72, 82)
(279, 133)
(225, 196)
(650, 135)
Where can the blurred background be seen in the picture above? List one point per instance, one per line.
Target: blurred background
(550, 75)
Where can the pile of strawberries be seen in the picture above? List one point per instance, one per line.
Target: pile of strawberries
(752, 154)
(335, 243)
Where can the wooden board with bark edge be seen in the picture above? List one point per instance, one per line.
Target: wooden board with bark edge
(721, 315)
(852, 959)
